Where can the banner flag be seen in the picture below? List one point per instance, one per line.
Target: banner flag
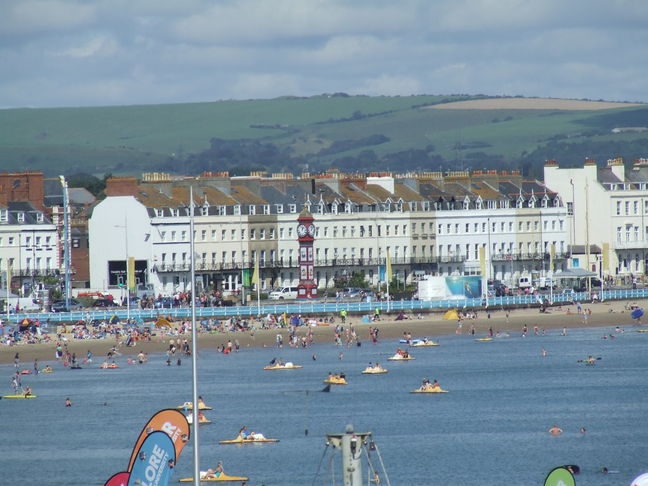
(155, 461)
(130, 272)
(255, 276)
(119, 479)
(170, 421)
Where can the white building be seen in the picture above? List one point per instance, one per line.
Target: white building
(609, 207)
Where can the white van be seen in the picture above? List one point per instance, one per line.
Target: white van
(284, 293)
(524, 282)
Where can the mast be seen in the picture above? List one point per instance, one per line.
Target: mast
(351, 444)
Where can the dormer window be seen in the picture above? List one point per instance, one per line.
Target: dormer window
(4, 215)
(292, 208)
(412, 205)
(279, 208)
(39, 217)
(21, 217)
(347, 207)
(266, 209)
(251, 209)
(237, 210)
(320, 208)
(204, 211)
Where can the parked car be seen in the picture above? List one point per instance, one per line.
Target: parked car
(284, 293)
(59, 306)
(104, 303)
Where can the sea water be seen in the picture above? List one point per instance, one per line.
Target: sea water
(490, 429)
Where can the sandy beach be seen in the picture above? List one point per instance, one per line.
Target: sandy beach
(606, 314)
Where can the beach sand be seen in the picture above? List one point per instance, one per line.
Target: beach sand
(610, 314)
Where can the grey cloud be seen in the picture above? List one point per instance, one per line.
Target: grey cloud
(66, 52)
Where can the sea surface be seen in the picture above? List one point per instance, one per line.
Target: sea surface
(489, 430)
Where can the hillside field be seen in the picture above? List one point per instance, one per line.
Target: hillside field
(437, 132)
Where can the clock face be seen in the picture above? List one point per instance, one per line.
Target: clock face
(301, 230)
(311, 230)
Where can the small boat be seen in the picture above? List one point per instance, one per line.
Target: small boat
(189, 406)
(372, 370)
(430, 389)
(47, 370)
(19, 396)
(222, 477)
(484, 339)
(26, 372)
(285, 366)
(336, 380)
(398, 357)
(108, 366)
(419, 343)
(249, 440)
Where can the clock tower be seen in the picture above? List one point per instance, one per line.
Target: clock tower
(307, 288)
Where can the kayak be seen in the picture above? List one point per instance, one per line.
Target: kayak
(430, 390)
(400, 358)
(287, 366)
(484, 339)
(222, 477)
(374, 371)
(336, 380)
(111, 366)
(19, 396)
(26, 372)
(239, 440)
(189, 406)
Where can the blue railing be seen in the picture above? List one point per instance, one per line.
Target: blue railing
(318, 307)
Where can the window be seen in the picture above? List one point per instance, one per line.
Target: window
(272, 234)
(292, 208)
(39, 217)
(4, 215)
(266, 209)
(48, 240)
(635, 207)
(252, 209)
(184, 236)
(252, 234)
(237, 210)
(281, 233)
(627, 207)
(243, 233)
(223, 235)
(262, 234)
(440, 229)
(21, 217)
(203, 235)
(279, 208)
(535, 225)
(173, 236)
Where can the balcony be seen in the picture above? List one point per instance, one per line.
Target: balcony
(516, 257)
(631, 245)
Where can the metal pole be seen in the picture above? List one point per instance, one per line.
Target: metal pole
(194, 340)
(127, 269)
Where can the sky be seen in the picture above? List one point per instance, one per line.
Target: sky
(57, 53)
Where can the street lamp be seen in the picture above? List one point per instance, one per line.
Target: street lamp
(125, 227)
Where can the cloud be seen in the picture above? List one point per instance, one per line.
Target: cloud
(71, 52)
(43, 17)
(98, 46)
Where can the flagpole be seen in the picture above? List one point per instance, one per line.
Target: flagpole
(194, 340)
(8, 285)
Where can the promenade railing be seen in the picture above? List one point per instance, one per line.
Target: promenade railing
(318, 307)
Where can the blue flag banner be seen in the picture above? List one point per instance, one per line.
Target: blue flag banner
(155, 461)
(383, 273)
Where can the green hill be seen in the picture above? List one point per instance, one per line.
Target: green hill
(290, 133)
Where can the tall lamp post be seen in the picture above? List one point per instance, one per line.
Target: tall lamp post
(66, 240)
(125, 227)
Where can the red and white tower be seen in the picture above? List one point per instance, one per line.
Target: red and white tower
(307, 288)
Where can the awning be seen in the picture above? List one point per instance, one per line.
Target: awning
(574, 273)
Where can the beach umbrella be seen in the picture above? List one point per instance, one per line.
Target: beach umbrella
(637, 313)
(25, 324)
(113, 319)
(451, 315)
(162, 322)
